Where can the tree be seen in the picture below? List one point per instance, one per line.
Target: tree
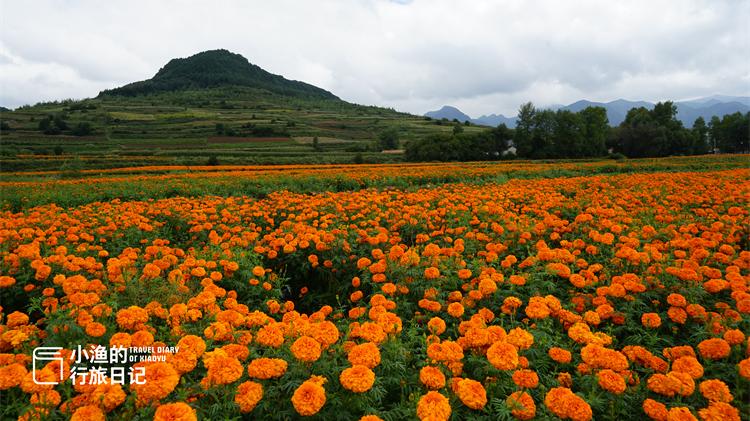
(457, 129)
(388, 139)
(524, 126)
(542, 134)
(714, 132)
(567, 139)
(731, 133)
(52, 125)
(316, 143)
(657, 132)
(700, 136)
(502, 138)
(595, 131)
(82, 129)
(639, 135)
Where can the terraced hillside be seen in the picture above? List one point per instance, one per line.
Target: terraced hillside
(186, 120)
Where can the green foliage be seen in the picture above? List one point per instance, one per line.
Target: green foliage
(52, 124)
(657, 132)
(561, 133)
(478, 146)
(731, 133)
(388, 139)
(82, 129)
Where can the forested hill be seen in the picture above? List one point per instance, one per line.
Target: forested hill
(217, 68)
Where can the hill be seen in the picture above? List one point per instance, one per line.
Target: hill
(214, 106)
(494, 120)
(449, 113)
(216, 68)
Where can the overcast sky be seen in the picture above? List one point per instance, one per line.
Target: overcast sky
(481, 56)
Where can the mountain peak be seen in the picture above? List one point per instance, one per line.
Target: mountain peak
(449, 113)
(214, 68)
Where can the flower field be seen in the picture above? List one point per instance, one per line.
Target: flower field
(588, 296)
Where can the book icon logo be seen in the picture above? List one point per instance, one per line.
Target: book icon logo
(43, 356)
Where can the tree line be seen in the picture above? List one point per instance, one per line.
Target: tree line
(545, 134)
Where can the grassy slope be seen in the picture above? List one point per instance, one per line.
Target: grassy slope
(180, 128)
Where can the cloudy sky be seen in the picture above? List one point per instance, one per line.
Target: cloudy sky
(481, 56)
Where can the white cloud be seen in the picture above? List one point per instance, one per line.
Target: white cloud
(482, 56)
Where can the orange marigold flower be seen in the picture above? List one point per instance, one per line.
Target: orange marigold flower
(108, 395)
(560, 355)
(611, 381)
(270, 335)
(598, 356)
(432, 377)
(537, 309)
(680, 413)
(714, 348)
(366, 354)
(267, 368)
(566, 404)
(436, 325)
(565, 379)
(662, 384)
(651, 320)
(521, 338)
(445, 351)
(734, 336)
(16, 319)
(689, 365)
(525, 378)
(95, 329)
(248, 395)
(131, 317)
(358, 379)
(719, 411)
(11, 375)
(222, 369)
(306, 349)
(677, 315)
(744, 368)
(471, 393)
(88, 413)
(655, 410)
(310, 396)
(521, 405)
(433, 407)
(503, 356)
(194, 343)
(178, 411)
(455, 309)
(715, 391)
(432, 273)
(159, 381)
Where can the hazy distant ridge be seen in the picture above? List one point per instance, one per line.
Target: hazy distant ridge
(687, 111)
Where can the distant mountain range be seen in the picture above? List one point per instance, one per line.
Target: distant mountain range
(687, 111)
